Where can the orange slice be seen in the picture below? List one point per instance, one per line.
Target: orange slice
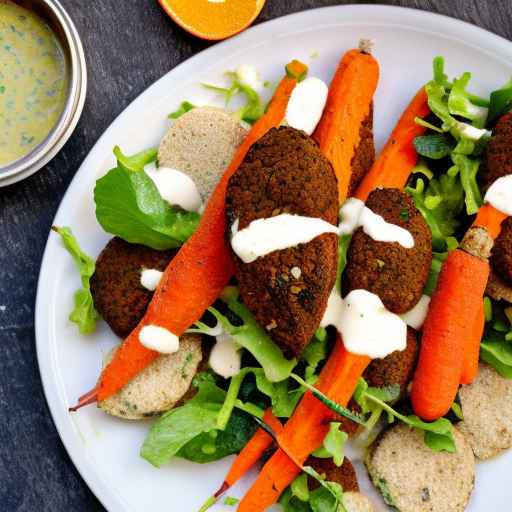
(213, 19)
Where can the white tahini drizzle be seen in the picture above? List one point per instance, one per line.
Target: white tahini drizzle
(159, 338)
(415, 317)
(355, 214)
(306, 104)
(366, 326)
(263, 236)
(176, 187)
(499, 194)
(225, 357)
(149, 278)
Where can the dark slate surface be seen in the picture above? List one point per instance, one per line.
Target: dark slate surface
(129, 44)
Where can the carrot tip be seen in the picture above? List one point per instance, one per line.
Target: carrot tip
(89, 398)
(223, 488)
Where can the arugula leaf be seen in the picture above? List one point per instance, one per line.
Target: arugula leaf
(440, 202)
(334, 443)
(129, 205)
(501, 102)
(253, 108)
(438, 434)
(173, 430)
(250, 336)
(299, 487)
(84, 315)
(184, 107)
(434, 146)
(496, 345)
(217, 444)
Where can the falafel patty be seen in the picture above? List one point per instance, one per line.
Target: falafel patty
(364, 154)
(396, 368)
(115, 285)
(345, 475)
(396, 274)
(413, 478)
(487, 409)
(498, 161)
(285, 172)
(501, 257)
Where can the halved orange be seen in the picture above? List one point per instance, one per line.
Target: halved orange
(213, 19)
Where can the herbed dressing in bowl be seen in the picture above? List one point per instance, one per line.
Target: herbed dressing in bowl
(33, 81)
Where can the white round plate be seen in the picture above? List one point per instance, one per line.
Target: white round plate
(105, 450)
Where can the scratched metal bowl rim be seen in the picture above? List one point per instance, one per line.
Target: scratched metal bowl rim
(63, 27)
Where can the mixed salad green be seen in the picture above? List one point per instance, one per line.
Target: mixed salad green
(223, 414)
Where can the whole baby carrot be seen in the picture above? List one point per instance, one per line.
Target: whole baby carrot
(348, 104)
(458, 295)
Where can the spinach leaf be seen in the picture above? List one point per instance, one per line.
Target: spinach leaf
(84, 315)
(129, 205)
(217, 444)
(184, 107)
(501, 102)
(434, 146)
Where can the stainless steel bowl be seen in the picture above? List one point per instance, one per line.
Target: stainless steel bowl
(62, 25)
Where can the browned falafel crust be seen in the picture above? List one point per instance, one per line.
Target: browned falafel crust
(501, 256)
(285, 172)
(396, 368)
(499, 151)
(364, 155)
(396, 274)
(115, 285)
(345, 475)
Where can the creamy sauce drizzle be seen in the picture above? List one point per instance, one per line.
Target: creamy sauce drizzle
(306, 104)
(499, 194)
(366, 326)
(150, 278)
(33, 81)
(225, 357)
(355, 214)
(415, 317)
(176, 187)
(159, 339)
(263, 236)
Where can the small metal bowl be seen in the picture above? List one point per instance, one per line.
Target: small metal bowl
(59, 21)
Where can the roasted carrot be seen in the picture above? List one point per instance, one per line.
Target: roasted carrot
(458, 296)
(472, 353)
(396, 161)
(202, 267)
(491, 219)
(305, 430)
(348, 104)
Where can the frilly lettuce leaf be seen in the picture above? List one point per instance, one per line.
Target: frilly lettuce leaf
(251, 336)
(84, 315)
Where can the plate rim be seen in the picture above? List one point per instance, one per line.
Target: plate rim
(415, 19)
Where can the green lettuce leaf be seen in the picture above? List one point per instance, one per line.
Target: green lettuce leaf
(250, 336)
(173, 430)
(129, 205)
(438, 435)
(184, 107)
(501, 102)
(253, 108)
(496, 345)
(217, 444)
(333, 445)
(84, 315)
